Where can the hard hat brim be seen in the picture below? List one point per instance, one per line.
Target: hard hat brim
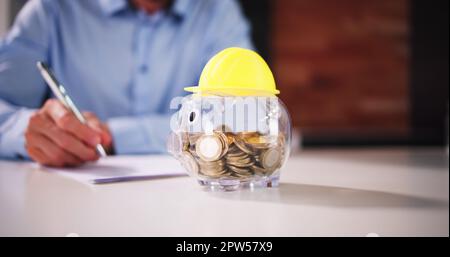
(226, 91)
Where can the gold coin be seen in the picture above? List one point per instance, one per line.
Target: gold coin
(271, 158)
(281, 139)
(230, 138)
(247, 134)
(212, 165)
(233, 150)
(239, 170)
(193, 137)
(243, 147)
(241, 176)
(225, 142)
(209, 147)
(213, 173)
(189, 163)
(258, 140)
(238, 159)
(237, 155)
(261, 142)
(258, 170)
(240, 165)
(213, 169)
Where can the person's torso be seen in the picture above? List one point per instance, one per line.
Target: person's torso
(127, 63)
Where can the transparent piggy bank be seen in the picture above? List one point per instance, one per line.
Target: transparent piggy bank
(234, 135)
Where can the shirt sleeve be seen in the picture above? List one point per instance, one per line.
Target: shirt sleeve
(21, 88)
(140, 135)
(12, 140)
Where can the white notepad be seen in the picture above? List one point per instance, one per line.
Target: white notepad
(123, 168)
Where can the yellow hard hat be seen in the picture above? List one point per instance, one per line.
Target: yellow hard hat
(236, 72)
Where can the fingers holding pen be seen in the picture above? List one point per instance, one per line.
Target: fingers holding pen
(66, 121)
(50, 144)
(94, 122)
(47, 153)
(66, 141)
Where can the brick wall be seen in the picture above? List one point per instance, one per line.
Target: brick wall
(342, 66)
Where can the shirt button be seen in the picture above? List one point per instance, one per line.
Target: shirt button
(143, 68)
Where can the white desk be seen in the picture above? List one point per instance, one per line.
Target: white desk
(390, 192)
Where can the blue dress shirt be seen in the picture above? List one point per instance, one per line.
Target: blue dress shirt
(119, 63)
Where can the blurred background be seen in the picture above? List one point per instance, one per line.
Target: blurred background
(352, 72)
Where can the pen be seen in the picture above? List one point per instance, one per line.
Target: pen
(60, 92)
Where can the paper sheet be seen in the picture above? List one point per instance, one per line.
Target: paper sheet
(124, 168)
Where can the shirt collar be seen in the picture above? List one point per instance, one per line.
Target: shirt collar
(110, 7)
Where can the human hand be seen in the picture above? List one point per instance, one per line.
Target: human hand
(55, 137)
